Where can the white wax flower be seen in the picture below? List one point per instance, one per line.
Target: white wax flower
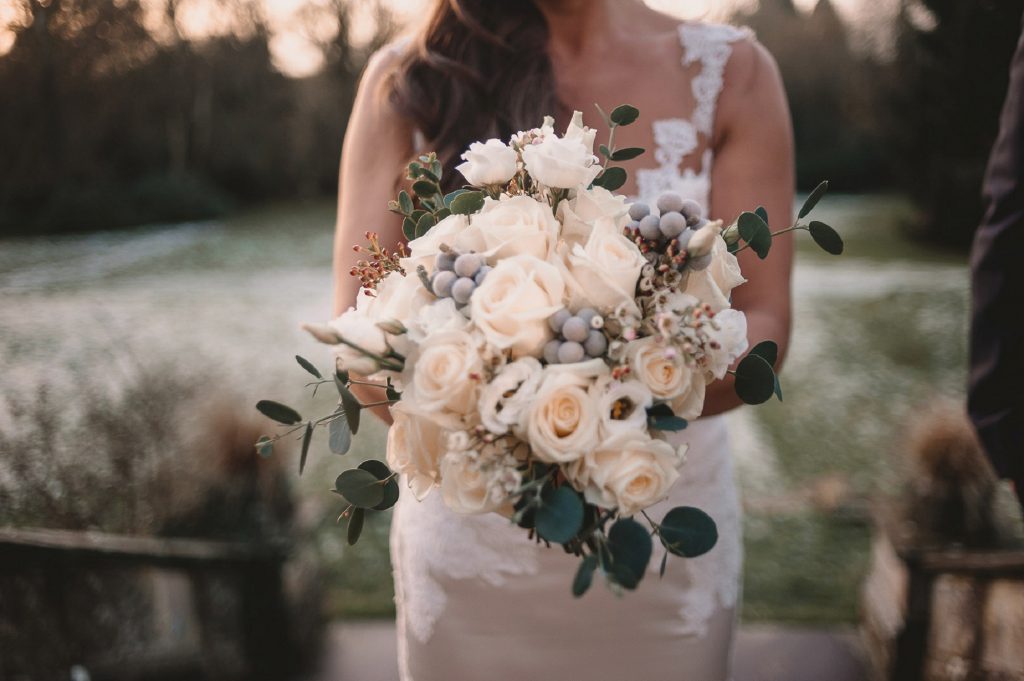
(488, 163)
(623, 406)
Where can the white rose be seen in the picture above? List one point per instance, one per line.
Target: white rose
(512, 305)
(511, 226)
(435, 315)
(579, 214)
(468, 488)
(714, 284)
(579, 132)
(562, 422)
(704, 238)
(488, 163)
(503, 400)
(423, 250)
(563, 162)
(604, 272)
(415, 447)
(731, 338)
(664, 371)
(399, 298)
(444, 374)
(629, 471)
(623, 406)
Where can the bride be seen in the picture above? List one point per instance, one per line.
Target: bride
(475, 599)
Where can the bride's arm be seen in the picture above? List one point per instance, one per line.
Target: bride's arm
(378, 143)
(754, 165)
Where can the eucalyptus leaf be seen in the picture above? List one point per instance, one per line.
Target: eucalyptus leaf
(278, 412)
(448, 198)
(339, 436)
(584, 576)
(467, 203)
(768, 349)
(560, 515)
(688, 532)
(351, 407)
(409, 229)
(308, 366)
(424, 224)
(631, 549)
(762, 213)
(424, 188)
(664, 564)
(264, 446)
(813, 198)
(405, 202)
(624, 114)
(360, 488)
(755, 379)
(605, 151)
(380, 470)
(611, 178)
(355, 525)
(307, 437)
(826, 237)
(754, 230)
(627, 154)
(441, 214)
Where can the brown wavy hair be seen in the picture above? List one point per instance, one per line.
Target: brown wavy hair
(479, 69)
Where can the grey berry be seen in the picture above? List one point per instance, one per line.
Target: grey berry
(633, 225)
(638, 211)
(700, 263)
(462, 289)
(670, 201)
(586, 314)
(569, 352)
(692, 211)
(557, 320)
(442, 283)
(684, 238)
(649, 228)
(596, 343)
(467, 265)
(482, 274)
(445, 261)
(551, 351)
(575, 329)
(672, 224)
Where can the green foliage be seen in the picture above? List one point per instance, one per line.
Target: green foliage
(466, 203)
(339, 435)
(584, 575)
(812, 200)
(611, 178)
(355, 525)
(381, 471)
(350, 405)
(560, 514)
(307, 437)
(661, 417)
(360, 488)
(754, 230)
(755, 379)
(826, 237)
(278, 412)
(688, 532)
(630, 546)
(624, 114)
(308, 366)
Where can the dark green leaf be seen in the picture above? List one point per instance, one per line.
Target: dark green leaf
(441, 214)
(661, 417)
(767, 349)
(391, 393)
(761, 213)
(278, 412)
(380, 470)
(424, 188)
(308, 366)
(605, 151)
(405, 202)
(778, 388)
(754, 230)
(813, 198)
(360, 488)
(664, 564)
(584, 576)
(355, 525)
(264, 446)
(424, 224)
(409, 229)
(560, 515)
(611, 178)
(755, 379)
(631, 548)
(350, 405)
(430, 175)
(436, 169)
(624, 114)
(448, 198)
(307, 437)
(688, 532)
(826, 237)
(339, 436)
(627, 154)
(467, 203)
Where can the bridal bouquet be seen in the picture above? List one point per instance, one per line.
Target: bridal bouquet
(537, 339)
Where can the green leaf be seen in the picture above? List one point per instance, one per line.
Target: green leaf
(624, 114)
(754, 230)
(339, 436)
(380, 470)
(264, 446)
(661, 417)
(308, 366)
(350, 405)
(441, 214)
(424, 188)
(826, 237)
(409, 229)
(813, 198)
(627, 154)
(778, 388)
(355, 525)
(404, 202)
(755, 379)
(307, 437)
(560, 515)
(767, 349)
(448, 198)
(631, 548)
(611, 178)
(688, 532)
(584, 576)
(360, 488)
(424, 224)
(664, 564)
(391, 393)
(467, 203)
(278, 412)
(761, 213)
(430, 175)
(605, 151)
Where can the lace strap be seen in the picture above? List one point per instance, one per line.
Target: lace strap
(711, 45)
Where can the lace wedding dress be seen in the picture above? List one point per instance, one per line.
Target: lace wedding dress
(477, 600)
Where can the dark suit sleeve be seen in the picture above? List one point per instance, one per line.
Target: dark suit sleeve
(996, 382)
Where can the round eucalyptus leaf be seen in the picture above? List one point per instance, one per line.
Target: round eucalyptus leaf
(391, 493)
(688, 532)
(560, 515)
(631, 548)
(405, 202)
(584, 576)
(351, 406)
(424, 188)
(377, 468)
(355, 525)
(278, 412)
(339, 436)
(627, 154)
(768, 349)
(754, 230)
(466, 203)
(826, 237)
(624, 114)
(612, 178)
(755, 380)
(360, 488)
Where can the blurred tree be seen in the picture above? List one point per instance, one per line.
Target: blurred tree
(942, 95)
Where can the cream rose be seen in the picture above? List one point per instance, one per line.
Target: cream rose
(564, 162)
(444, 374)
(512, 305)
(415, 447)
(511, 226)
(579, 214)
(450, 231)
(623, 406)
(714, 284)
(629, 471)
(664, 371)
(488, 163)
(563, 419)
(472, 486)
(503, 400)
(731, 338)
(604, 272)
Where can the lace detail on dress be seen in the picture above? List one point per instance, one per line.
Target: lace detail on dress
(711, 45)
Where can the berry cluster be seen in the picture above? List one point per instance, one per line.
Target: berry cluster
(577, 336)
(380, 262)
(456, 275)
(670, 231)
